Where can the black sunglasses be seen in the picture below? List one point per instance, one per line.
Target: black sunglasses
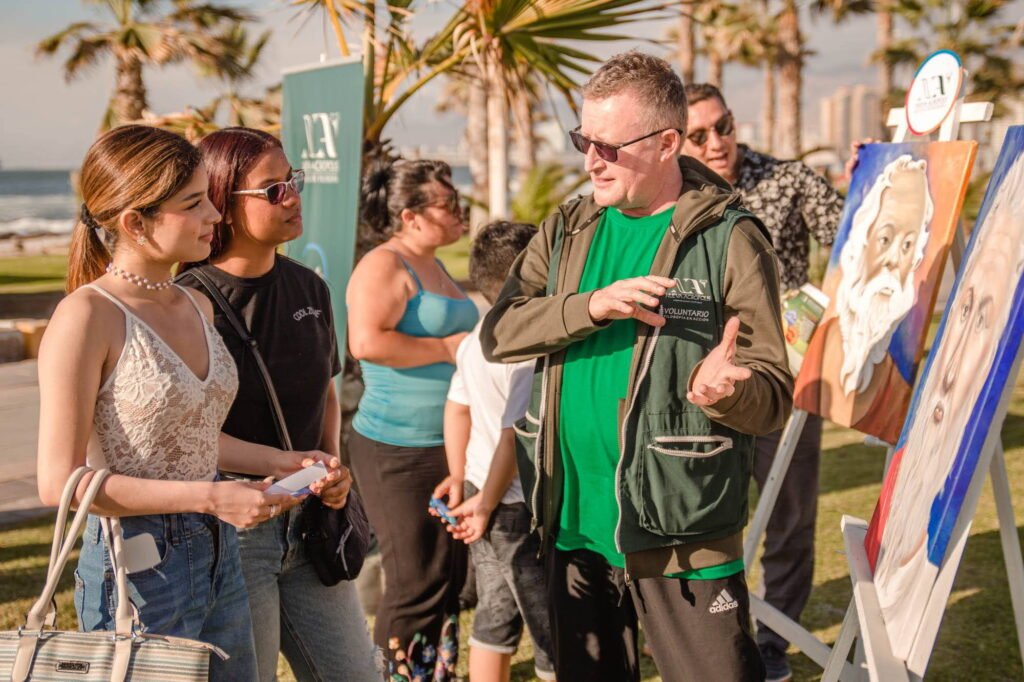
(275, 194)
(723, 126)
(452, 203)
(607, 152)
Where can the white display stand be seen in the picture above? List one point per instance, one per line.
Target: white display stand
(799, 636)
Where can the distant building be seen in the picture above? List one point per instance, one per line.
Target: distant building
(847, 115)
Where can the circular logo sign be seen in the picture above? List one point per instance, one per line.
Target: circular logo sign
(933, 92)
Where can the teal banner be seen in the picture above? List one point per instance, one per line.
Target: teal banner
(322, 132)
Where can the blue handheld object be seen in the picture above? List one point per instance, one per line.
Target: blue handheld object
(443, 510)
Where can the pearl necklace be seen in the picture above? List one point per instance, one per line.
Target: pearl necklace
(138, 280)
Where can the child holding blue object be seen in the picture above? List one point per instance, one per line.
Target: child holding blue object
(484, 401)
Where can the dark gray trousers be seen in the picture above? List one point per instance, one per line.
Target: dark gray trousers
(788, 561)
(698, 629)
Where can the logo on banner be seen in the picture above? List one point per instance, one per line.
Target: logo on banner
(933, 92)
(320, 155)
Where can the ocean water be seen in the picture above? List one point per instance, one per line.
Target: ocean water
(36, 202)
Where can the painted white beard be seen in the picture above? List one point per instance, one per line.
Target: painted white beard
(867, 326)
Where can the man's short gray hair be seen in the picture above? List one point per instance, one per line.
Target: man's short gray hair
(651, 79)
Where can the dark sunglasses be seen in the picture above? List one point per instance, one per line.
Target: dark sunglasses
(453, 204)
(275, 194)
(607, 152)
(723, 126)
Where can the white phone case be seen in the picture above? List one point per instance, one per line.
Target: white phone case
(140, 553)
(298, 482)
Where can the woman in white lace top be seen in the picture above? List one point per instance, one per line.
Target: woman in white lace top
(134, 377)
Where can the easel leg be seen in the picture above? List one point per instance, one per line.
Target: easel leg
(841, 649)
(773, 485)
(1010, 540)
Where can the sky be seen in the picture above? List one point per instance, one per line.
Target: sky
(46, 122)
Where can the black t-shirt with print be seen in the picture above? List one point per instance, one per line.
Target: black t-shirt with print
(288, 312)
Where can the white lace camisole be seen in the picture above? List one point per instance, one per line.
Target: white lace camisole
(154, 417)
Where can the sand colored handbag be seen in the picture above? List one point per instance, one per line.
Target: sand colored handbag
(36, 651)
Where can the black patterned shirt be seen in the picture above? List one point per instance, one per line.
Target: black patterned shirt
(794, 202)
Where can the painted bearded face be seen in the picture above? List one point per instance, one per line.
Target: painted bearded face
(877, 292)
(976, 319)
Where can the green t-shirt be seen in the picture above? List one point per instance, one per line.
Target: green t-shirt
(595, 378)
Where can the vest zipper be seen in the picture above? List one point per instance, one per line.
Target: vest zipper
(648, 357)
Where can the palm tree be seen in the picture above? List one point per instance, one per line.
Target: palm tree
(790, 61)
(543, 189)
(686, 42)
(976, 30)
(506, 39)
(141, 36)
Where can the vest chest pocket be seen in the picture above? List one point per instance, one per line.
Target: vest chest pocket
(692, 485)
(691, 446)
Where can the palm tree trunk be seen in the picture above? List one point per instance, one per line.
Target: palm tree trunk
(687, 46)
(790, 81)
(526, 144)
(476, 139)
(884, 38)
(369, 59)
(497, 145)
(768, 107)
(715, 67)
(130, 92)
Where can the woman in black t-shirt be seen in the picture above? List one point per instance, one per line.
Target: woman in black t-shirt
(287, 308)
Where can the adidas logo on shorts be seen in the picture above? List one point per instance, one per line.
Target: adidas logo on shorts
(724, 603)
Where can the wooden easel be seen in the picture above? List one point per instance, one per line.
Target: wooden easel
(803, 639)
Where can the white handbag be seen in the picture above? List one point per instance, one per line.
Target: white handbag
(38, 652)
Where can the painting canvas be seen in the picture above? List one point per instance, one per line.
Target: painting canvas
(955, 407)
(883, 276)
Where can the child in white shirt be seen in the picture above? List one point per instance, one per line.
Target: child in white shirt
(484, 401)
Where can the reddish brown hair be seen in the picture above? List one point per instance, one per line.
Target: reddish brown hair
(228, 156)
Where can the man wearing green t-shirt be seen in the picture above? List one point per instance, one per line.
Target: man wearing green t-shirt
(653, 307)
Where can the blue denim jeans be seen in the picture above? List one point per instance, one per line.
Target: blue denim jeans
(195, 591)
(321, 630)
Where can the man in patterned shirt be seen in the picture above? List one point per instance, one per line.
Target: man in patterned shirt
(794, 203)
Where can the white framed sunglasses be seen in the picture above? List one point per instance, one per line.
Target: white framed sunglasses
(275, 194)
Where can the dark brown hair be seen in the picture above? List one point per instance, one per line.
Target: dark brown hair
(494, 251)
(389, 187)
(651, 79)
(131, 167)
(228, 156)
(698, 92)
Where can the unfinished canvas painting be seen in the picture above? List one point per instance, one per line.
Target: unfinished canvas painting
(882, 279)
(956, 406)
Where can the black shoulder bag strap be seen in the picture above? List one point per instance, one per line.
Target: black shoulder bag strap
(254, 350)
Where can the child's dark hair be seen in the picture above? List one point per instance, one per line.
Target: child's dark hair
(494, 250)
(391, 186)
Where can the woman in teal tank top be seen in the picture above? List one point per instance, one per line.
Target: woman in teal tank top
(406, 318)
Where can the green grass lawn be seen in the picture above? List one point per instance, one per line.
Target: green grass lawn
(976, 642)
(30, 274)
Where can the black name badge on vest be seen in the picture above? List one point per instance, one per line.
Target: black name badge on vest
(689, 310)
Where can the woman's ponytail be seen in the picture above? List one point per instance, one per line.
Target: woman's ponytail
(87, 257)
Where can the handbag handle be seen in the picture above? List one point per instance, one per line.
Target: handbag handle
(63, 543)
(250, 343)
(44, 612)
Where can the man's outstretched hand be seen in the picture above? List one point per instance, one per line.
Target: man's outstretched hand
(717, 376)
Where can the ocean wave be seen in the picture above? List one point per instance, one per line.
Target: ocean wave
(48, 206)
(30, 227)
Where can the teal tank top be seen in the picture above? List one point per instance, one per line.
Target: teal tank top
(406, 406)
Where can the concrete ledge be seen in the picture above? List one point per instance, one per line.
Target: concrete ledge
(36, 305)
